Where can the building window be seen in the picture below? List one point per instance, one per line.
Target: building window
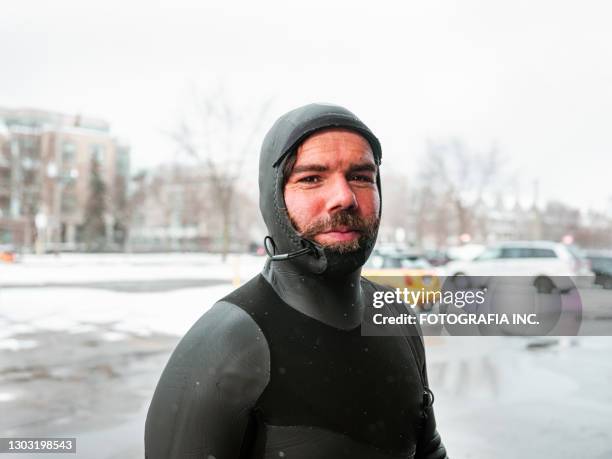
(28, 143)
(97, 151)
(69, 203)
(123, 163)
(15, 147)
(68, 152)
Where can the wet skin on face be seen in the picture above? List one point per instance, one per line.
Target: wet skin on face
(334, 173)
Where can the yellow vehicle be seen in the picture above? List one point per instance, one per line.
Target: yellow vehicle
(7, 254)
(404, 271)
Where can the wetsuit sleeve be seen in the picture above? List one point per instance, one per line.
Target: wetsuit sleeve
(202, 403)
(429, 444)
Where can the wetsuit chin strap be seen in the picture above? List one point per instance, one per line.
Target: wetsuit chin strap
(270, 248)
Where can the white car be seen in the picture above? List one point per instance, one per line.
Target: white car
(549, 264)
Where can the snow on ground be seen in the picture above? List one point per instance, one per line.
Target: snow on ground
(67, 305)
(63, 268)
(16, 344)
(74, 309)
(7, 396)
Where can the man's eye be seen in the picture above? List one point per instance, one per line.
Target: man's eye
(363, 178)
(310, 179)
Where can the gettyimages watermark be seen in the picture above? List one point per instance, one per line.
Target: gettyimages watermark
(488, 306)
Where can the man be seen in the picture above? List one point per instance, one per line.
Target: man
(279, 367)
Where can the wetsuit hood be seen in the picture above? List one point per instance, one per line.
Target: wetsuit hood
(281, 141)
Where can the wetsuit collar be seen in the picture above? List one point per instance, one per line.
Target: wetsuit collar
(336, 301)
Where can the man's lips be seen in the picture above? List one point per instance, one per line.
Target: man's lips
(341, 233)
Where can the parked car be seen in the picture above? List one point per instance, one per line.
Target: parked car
(403, 270)
(601, 264)
(466, 252)
(7, 254)
(437, 257)
(550, 264)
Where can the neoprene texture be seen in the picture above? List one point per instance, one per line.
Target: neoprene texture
(367, 388)
(254, 378)
(203, 400)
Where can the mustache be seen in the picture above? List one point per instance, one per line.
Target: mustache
(366, 226)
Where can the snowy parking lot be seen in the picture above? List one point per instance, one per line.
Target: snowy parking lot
(83, 340)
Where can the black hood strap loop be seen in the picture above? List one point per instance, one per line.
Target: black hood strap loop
(270, 248)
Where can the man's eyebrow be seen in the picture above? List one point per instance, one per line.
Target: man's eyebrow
(364, 167)
(309, 168)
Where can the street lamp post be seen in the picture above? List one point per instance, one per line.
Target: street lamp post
(41, 228)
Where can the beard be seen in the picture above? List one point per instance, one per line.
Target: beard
(367, 227)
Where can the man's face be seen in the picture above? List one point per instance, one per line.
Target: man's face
(331, 193)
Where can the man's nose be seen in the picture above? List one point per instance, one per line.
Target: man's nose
(341, 196)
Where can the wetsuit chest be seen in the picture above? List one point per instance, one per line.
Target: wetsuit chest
(331, 388)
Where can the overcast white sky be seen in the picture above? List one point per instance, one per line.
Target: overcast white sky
(534, 76)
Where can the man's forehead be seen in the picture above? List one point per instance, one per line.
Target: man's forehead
(343, 143)
(334, 136)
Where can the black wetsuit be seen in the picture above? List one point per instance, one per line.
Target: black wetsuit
(279, 368)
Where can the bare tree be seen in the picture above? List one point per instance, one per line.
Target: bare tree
(462, 176)
(95, 226)
(559, 219)
(218, 134)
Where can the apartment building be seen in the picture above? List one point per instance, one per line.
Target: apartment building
(45, 174)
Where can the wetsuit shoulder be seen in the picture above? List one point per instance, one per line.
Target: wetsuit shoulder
(202, 402)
